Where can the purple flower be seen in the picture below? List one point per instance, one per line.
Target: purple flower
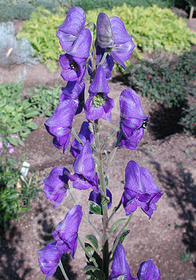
(96, 197)
(112, 35)
(99, 105)
(60, 123)
(72, 26)
(148, 271)
(74, 61)
(140, 190)
(85, 176)
(120, 266)
(56, 184)
(85, 135)
(133, 119)
(74, 91)
(66, 232)
(49, 258)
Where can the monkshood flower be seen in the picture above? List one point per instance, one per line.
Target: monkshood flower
(49, 258)
(72, 26)
(60, 123)
(74, 91)
(85, 135)
(140, 190)
(113, 36)
(74, 61)
(133, 119)
(85, 176)
(99, 105)
(96, 197)
(120, 265)
(66, 232)
(56, 184)
(148, 271)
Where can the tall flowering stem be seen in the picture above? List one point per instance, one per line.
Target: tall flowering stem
(104, 203)
(82, 54)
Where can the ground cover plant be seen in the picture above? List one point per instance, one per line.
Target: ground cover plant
(152, 28)
(170, 83)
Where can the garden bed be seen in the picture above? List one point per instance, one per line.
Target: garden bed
(168, 238)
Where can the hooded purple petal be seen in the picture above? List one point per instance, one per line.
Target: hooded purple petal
(113, 36)
(74, 68)
(148, 271)
(108, 62)
(72, 26)
(105, 37)
(123, 41)
(140, 190)
(66, 232)
(99, 105)
(85, 135)
(49, 258)
(74, 91)
(120, 265)
(84, 168)
(60, 123)
(132, 119)
(81, 47)
(55, 185)
(96, 197)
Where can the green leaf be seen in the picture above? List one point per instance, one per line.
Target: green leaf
(117, 223)
(13, 141)
(98, 273)
(92, 238)
(32, 125)
(95, 208)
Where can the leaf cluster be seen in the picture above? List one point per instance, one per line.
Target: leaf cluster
(16, 115)
(170, 83)
(41, 30)
(15, 193)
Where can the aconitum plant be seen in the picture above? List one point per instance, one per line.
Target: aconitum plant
(92, 50)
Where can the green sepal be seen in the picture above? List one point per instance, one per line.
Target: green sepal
(95, 208)
(93, 240)
(117, 223)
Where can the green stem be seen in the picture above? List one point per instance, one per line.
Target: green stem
(115, 210)
(62, 270)
(76, 136)
(109, 136)
(105, 265)
(117, 239)
(87, 253)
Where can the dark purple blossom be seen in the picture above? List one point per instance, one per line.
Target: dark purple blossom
(85, 176)
(49, 258)
(74, 61)
(140, 190)
(133, 119)
(148, 271)
(56, 184)
(85, 135)
(96, 197)
(99, 105)
(60, 123)
(113, 36)
(74, 91)
(66, 232)
(72, 26)
(120, 265)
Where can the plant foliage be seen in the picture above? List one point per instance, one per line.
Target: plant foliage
(153, 29)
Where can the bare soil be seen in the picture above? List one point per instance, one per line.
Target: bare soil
(169, 238)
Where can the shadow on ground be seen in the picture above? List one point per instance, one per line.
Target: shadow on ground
(11, 260)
